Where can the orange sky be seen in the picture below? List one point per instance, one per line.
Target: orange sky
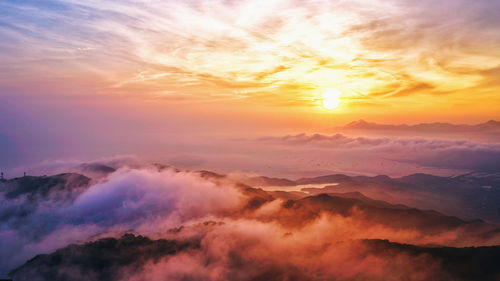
(393, 61)
(99, 78)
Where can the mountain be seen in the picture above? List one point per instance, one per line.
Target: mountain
(483, 132)
(470, 196)
(110, 259)
(104, 259)
(307, 209)
(490, 126)
(469, 263)
(267, 181)
(300, 208)
(24, 195)
(361, 197)
(464, 196)
(96, 168)
(43, 186)
(331, 232)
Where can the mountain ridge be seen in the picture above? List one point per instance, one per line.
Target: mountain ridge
(491, 125)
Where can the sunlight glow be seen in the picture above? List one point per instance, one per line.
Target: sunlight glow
(331, 98)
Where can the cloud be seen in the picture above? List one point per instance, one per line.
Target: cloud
(92, 168)
(247, 250)
(302, 155)
(146, 200)
(242, 233)
(130, 196)
(255, 46)
(437, 153)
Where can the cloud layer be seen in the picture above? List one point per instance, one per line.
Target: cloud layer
(221, 230)
(220, 50)
(144, 200)
(303, 155)
(379, 153)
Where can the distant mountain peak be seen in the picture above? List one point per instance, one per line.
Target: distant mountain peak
(359, 123)
(362, 124)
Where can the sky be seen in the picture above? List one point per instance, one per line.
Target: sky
(170, 79)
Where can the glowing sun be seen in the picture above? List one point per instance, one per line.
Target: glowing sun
(331, 98)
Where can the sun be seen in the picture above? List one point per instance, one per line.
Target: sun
(331, 98)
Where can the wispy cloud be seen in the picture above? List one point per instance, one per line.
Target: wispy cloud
(383, 153)
(204, 48)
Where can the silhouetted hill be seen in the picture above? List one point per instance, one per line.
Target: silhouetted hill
(484, 132)
(361, 197)
(104, 259)
(396, 216)
(96, 168)
(43, 186)
(115, 259)
(210, 175)
(470, 263)
(469, 196)
(336, 178)
(23, 195)
(268, 181)
(252, 234)
(490, 126)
